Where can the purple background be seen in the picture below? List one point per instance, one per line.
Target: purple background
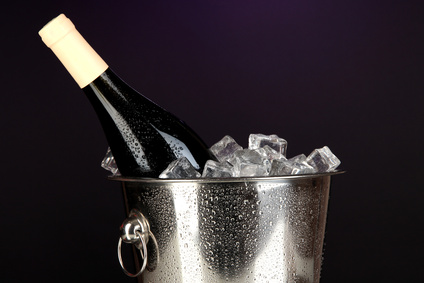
(346, 74)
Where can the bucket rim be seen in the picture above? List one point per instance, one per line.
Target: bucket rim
(224, 180)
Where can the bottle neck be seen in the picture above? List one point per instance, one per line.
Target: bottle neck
(78, 57)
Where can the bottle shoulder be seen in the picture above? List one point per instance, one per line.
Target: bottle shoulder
(111, 87)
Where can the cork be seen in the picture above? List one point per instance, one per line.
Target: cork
(78, 57)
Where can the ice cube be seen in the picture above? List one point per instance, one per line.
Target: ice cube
(298, 158)
(225, 148)
(248, 155)
(249, 163)
(302, 168)
(109, 163)
(214, 169)
(280, 167)
(269, 153)
(180, 168)
(290, 167)
(276, 143)
(323, 160)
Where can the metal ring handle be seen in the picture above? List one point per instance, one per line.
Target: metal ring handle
(142, 252)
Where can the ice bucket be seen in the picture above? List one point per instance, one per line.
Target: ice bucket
(263, 229)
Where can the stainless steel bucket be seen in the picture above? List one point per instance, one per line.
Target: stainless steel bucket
(265, 229)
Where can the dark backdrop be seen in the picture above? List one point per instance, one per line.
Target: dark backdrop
(346, 74)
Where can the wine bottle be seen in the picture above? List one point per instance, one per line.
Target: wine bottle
(143, 137)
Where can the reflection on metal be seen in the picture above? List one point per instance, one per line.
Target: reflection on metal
(228, 230)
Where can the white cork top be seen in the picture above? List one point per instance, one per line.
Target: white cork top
(78, 57)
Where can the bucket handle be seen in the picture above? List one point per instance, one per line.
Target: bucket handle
(135, 230)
